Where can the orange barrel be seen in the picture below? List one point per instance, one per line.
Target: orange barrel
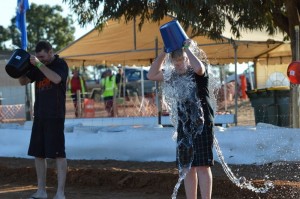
(88, 108)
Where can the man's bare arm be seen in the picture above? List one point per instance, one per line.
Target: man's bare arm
(23, 80)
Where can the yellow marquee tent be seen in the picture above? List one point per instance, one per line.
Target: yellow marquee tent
(123, 43)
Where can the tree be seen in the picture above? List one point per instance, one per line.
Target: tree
(206, 17)
(4, 36)
(45, 23)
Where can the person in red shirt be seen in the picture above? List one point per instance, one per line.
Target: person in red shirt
(77, 83)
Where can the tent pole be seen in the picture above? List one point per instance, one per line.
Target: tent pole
(134, 33)
(142, 105)
(157, 92)
(225, 87)
(27, 102)
(236, 83)
(29, 98)
(250, 77)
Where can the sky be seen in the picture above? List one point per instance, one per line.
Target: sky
(8, 11)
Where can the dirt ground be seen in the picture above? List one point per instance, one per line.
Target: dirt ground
(110, 179)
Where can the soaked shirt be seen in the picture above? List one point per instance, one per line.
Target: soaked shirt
(181, 94)
(50, 98)
(204, 94)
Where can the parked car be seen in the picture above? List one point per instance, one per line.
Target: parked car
(133, 83)
(134, 80)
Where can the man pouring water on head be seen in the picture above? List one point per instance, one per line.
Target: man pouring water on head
(193, 112)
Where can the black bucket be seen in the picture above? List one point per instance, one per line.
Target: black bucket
(18, 64)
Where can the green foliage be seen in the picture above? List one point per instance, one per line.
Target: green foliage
(45, 23)
(206, 17)
(4, 36)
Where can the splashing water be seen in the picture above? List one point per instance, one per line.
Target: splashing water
(184, 105)
(180, 94)
(241, 182)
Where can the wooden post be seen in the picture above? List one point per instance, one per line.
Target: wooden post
(79, 108)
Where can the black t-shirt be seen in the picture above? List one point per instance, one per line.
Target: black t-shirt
(50, 98)
(203, 93)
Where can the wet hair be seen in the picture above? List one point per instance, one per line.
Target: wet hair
(43, 45)
(177, 53)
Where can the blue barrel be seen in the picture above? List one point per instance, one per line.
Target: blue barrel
(18, 64)
(173, 36)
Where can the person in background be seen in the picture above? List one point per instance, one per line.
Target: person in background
(120, 82)
(75, 84)
(47, 136)
(186, 64)
(109, 87)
